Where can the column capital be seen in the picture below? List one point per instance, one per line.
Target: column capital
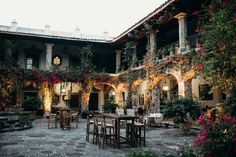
(154, 31)
(180, 15)
(49, 44)
(118, 50)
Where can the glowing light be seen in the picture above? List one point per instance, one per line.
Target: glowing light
(47, 98)
(165, 86)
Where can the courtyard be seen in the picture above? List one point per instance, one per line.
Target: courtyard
(40, 141)
(162, 85)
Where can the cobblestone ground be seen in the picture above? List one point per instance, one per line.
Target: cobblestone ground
(40, 141)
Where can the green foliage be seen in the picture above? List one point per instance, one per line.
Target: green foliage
(32, 104)
(110, 106)
(128, 53)
(86, 54)
(187, 151)
(178, 109)
(143, 153)
(217, 47)
(84, 114)
(230, 103)
(9, 60)
(26, 120)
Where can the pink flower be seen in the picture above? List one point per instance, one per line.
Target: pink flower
(200, 139)
(225, 4)
(201, 120)
(234, 19)
(200, 67)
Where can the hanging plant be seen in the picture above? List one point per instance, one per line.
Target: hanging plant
(128, 53)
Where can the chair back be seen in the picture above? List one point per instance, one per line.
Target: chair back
(130, 112)
(120, 112)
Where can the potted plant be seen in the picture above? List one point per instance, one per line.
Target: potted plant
(110, 107)
(183, 110)
(32, 104)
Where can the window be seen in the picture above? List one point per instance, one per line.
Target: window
(205, 92)
(32, 61)
(29, 63)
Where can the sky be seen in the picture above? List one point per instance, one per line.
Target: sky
(91, 16)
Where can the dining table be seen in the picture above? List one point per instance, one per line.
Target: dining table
(118, 118)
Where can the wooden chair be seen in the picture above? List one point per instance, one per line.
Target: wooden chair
(88, 130)
(140, 132)
(96, 131)
(75, 118)
(107, 133)
(65, 120)
(52, 119)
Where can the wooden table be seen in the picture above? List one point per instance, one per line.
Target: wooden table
(117, 119)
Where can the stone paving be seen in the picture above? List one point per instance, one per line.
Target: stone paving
(40, 141)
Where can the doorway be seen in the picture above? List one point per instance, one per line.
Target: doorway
(93, 102)
(75, 102)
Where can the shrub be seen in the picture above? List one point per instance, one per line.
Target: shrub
(230, 103)
(179, 109)
(143, 153)
(25, 120)
(32, 104)
(187, 151)
(110, 107)
(84, 114)
(217, 137)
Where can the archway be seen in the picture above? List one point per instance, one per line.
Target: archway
(94, 100)
(165, 88)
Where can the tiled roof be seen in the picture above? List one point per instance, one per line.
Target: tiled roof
(54, 34)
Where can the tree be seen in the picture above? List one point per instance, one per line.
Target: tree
(217, 46)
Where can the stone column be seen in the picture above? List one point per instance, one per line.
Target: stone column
(156, 99)
(118, 60)
(101, 100)
(182, 30)
(118, 98)
(152, 42)
(49, 56)
(181, 88)
(188, 88)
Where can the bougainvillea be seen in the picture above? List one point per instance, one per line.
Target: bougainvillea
(217, 137)
(216, 55)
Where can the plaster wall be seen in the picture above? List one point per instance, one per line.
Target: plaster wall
(217, 94)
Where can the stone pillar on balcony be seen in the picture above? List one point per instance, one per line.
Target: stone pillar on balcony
(48, 56)
(118, 60)
(182, 30)
(152, 42)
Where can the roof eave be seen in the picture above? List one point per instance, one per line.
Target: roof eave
(164, 5)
